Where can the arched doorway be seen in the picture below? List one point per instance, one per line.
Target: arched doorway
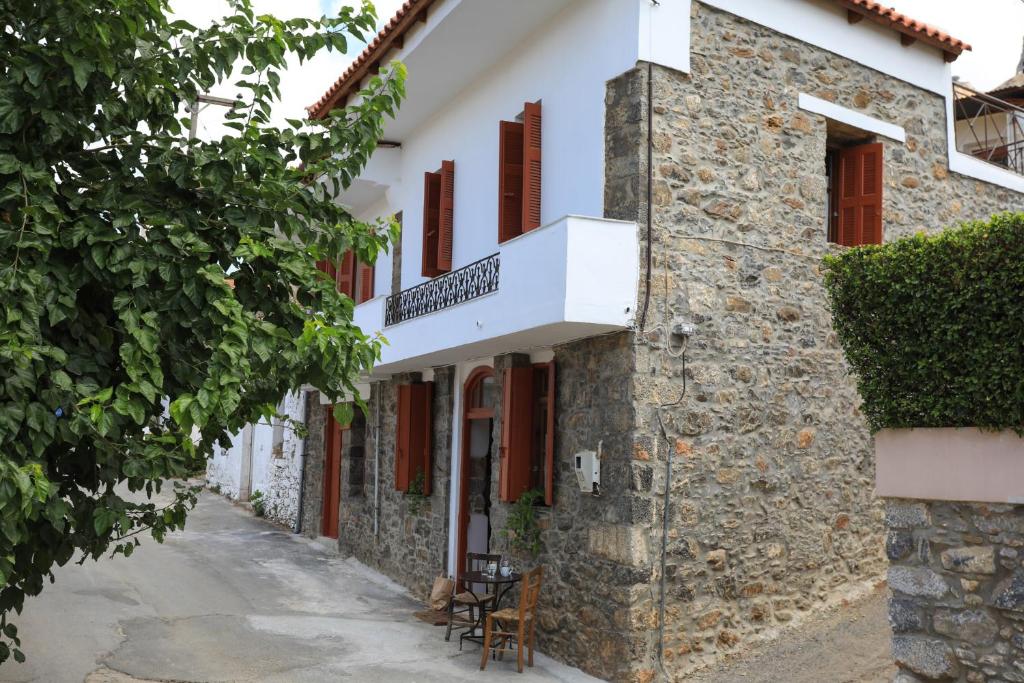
(479, 396)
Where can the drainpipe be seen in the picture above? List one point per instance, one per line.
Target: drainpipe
(376, 466)
(302, 463)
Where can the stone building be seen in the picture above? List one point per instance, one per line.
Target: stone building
(614, 217)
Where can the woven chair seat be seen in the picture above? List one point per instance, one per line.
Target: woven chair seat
(507, 614)
(468, 598)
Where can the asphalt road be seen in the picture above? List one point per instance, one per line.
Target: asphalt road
(234, 598)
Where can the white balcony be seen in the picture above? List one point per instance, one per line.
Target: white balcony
(576, 277)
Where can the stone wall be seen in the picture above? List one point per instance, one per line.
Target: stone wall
(411, 545)
(770, 505)
(596, 566)
(313, 467)
(957, 606)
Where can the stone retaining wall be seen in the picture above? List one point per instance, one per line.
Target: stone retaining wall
(957, 581)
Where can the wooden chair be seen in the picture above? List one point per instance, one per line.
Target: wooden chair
(463, 602)
(523, 618)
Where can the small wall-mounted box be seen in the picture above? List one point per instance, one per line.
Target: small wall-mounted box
(588, 470)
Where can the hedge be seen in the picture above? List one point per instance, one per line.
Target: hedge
(933, 325)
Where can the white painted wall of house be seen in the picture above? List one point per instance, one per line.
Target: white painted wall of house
(565, 65)
(276, 477)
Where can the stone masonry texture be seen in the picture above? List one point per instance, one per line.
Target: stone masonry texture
(771, 512)
(957, 605)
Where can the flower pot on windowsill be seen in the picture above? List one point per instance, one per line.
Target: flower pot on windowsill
(948, 463)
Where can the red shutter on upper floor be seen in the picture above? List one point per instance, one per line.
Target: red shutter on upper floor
(510, 180)
(346, 277)
(446, 220)
(365, 277)
(431, 222)
(860, 195)
(516, 433)
(531, 165)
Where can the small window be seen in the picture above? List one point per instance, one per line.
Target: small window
(519, 173)
(353, 278)
(438, 219)
(528, 432)
(853, 169)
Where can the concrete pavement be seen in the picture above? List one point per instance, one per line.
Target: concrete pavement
(235, 598)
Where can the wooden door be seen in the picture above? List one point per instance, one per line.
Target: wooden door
(332, 475)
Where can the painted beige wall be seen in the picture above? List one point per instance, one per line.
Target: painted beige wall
(964, 464)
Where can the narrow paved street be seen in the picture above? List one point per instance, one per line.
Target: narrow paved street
(235, 598)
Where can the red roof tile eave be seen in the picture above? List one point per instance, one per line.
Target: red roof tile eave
(390, 36)
(412, 11)
(912, 28)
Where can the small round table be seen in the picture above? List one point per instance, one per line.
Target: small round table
(502, 585)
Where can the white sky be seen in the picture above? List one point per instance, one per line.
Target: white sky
(994, 28)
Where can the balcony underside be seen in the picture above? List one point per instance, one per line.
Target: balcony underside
(574, 278)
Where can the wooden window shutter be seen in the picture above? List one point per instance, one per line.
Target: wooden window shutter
(510, 180)
(516, 433)
(346, 277)
(531, 165)
(549, 441)
(402, 432)
(365, 277)
(431, 222)
(446, 222)
(860, 195)
(413, 435)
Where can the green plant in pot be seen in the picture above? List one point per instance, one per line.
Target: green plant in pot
(522, 531)
(259, 506)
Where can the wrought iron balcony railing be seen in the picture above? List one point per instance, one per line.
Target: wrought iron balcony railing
(466, 283)
(989, 128)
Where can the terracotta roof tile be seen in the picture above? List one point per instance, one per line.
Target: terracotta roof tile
(349, 80)
(907, 26)
(404, 19)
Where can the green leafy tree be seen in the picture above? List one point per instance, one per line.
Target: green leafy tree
(157, 292)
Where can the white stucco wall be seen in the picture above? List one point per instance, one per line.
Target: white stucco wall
(276, 475)
(565, 64)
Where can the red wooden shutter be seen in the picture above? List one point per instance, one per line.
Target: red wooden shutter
(549, 441)
(402, 431)
(516, 433)
(531, 165)
(510, 180)
(346, 277)
(431, 220)
(413, 435)
(860, 195)
(365, 282)
(446, 221)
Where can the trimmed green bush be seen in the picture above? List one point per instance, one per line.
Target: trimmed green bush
(933, 326)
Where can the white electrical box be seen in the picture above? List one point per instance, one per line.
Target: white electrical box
(588, 470)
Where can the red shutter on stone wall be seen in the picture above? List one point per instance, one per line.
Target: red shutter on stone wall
(402, 428)
(365, 278)
(413, 429)
(446, 221)
(516, 433)
(860, 195)
(431, 222)
(346, 277)
(510, 180)
(531, 165)
(549, 441)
